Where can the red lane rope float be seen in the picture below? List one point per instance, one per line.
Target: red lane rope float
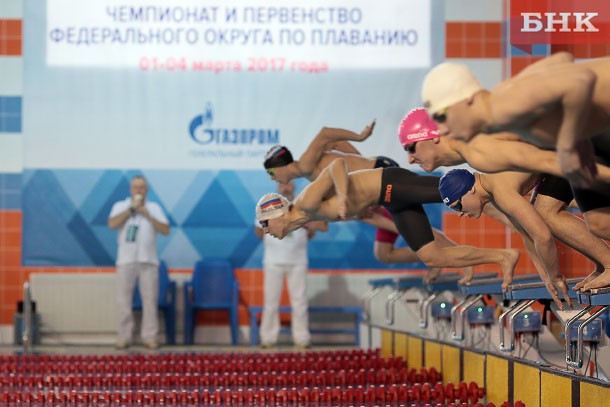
(438, 393)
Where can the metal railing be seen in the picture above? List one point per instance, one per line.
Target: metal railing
(27, 319)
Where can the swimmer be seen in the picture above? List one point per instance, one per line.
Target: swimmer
(337, 195)
(420, 137)
(554, 103)
(328, 145)
(468, 193)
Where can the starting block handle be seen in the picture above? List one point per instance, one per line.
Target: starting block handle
(454, 313)
(389, 306)
(457, 314)
(577, 363)
(424, 306)
(367, 298)
(512, 312)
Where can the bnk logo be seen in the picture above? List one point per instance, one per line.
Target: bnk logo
(562, 22)
(202, 132)
(559, 22)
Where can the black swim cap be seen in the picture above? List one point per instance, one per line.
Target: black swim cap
(278, 156)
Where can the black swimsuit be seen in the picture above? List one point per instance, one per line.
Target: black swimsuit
(555, 187)
(587, 199)
(385, 162)
(402, 193)
(598, 196)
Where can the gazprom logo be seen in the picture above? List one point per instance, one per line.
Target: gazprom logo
(202, 132)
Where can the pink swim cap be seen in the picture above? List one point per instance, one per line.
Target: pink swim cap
(416, 126)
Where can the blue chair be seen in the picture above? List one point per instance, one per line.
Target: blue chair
(166, 302)
(213, 287)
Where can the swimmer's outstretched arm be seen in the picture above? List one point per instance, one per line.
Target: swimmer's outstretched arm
(491, 155)
(336, 137)
(537, 236)
(343, 146)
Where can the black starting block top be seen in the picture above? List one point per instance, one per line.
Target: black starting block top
(536, 291)
(493, 285)
(381, 282)
(449, 281)
(404, 283)
(414, 281)
(444, 283)
(597, 296)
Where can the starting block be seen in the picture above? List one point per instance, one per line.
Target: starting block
(477, 288)
(376, 286)
(525, 294)
(444, 282)
(401, 286)
(597, 297)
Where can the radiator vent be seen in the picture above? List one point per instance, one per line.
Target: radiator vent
(75, 302)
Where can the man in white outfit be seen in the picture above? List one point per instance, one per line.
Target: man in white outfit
(138, 222)
(286, 257)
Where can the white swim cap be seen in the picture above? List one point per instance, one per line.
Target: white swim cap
(271, 206)
(447, 84)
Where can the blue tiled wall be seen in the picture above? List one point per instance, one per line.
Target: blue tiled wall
(10, 114)
(10, 191)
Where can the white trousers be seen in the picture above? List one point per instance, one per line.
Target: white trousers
(296, 276)
(147, 276)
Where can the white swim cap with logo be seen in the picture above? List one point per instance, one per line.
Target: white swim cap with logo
(447, 84)
(271, 206)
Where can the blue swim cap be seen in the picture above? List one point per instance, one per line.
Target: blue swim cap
(454, 185)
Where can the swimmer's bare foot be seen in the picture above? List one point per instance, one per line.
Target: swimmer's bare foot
(587, 280)
(510, 259)
(468, 275)
(431, 275)
(603, 280)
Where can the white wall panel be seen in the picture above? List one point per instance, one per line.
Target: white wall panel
(11, 153)
(473, 10)
(11, 79)
(11, 9)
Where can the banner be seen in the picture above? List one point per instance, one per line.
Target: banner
(111, 84)
(260, 36)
